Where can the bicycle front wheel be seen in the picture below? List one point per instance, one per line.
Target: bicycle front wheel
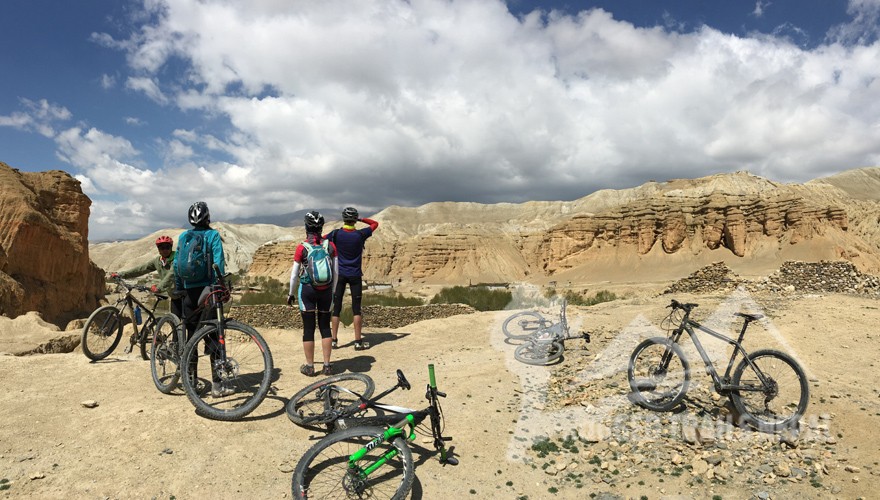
(779, 402)
(327, 470)
(658, 374)
(237, 384)
(539, 353)
(522, 325)
(102, 332)
(165, 353)
(323, 401)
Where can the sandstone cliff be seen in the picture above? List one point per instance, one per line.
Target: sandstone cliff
(659, 230)
(44, 253)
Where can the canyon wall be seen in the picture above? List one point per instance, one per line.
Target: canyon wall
(44, 253)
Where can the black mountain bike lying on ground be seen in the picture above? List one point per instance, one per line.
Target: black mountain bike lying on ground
(370, 459)
(103, 329)
(544, 341)
(768, 388)
(239, 359)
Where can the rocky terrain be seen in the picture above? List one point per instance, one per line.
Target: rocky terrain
(76, 429)
(44, 253)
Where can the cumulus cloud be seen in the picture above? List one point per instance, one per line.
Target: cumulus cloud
(373, 103)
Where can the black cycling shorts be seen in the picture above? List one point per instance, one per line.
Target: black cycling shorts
(355, 283)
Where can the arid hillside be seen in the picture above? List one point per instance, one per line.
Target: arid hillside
(659, 230)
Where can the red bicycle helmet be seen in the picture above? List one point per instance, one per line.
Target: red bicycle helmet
(166, 240)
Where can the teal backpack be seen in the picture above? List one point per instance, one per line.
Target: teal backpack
(193, 260)
(318, 264)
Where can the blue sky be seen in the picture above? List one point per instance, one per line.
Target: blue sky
(268, 107)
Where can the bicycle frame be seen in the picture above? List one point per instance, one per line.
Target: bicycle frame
(128, 300)
(412, 419)
(722, 384)
(212, 300)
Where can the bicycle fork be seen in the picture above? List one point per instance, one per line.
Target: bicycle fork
(393, 432)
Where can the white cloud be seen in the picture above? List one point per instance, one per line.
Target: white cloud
(864, 27)
(760, 6)
(148, 86)
(38, 116)
(108, 81)
(394, 102)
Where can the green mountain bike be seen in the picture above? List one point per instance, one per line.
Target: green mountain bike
(370, 457)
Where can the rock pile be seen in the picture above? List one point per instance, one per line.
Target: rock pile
(820, 277)
(286, 317)
(792, 277)
(715, 277)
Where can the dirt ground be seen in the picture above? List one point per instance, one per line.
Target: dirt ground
(139, 443)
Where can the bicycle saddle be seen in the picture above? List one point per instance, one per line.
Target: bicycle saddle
(749, 317)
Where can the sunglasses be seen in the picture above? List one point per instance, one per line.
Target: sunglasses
(164, 246)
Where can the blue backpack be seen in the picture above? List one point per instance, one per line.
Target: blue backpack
(318, 264)
(193, 258)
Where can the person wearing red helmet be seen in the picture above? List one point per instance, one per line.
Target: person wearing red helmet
(163, 265)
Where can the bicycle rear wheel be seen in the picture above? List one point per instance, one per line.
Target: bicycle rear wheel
(522, 325)
(658, 374)
(539, 353)
(781, 402)
(102, 332)
(148, 329)
(326, 471)
(165, 353)
(323, 401)
(244, 377)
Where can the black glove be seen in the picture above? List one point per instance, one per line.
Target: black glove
(291, 300)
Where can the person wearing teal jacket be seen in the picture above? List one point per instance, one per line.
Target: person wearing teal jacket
(200, 218)
(163, 265)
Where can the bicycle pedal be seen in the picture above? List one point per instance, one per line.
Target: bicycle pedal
(128, 349)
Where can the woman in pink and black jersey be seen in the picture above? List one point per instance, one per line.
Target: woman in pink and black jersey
(315, 300)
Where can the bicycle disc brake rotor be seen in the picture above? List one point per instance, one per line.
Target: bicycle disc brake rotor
(229, 370)
(352, 482)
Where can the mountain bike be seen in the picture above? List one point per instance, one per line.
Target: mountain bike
(768, 388)
(103, 328)
(372, 461)
(239, 359)
(544, 340)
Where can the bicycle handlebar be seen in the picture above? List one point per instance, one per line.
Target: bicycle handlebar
(129, 287)
(687, 306)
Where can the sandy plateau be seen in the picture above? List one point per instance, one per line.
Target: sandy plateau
(138, 443)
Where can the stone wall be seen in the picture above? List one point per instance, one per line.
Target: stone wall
(286, 317)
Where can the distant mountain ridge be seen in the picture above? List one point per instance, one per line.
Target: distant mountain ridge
(658, 229)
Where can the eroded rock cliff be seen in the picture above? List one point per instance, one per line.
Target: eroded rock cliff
(44, 254)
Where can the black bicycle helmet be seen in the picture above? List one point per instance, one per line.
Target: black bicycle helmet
(199, 214)
(314, 222)
(349, 214)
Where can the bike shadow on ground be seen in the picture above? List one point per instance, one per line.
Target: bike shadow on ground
(420, 456)
(110, 360)
(272, 395)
